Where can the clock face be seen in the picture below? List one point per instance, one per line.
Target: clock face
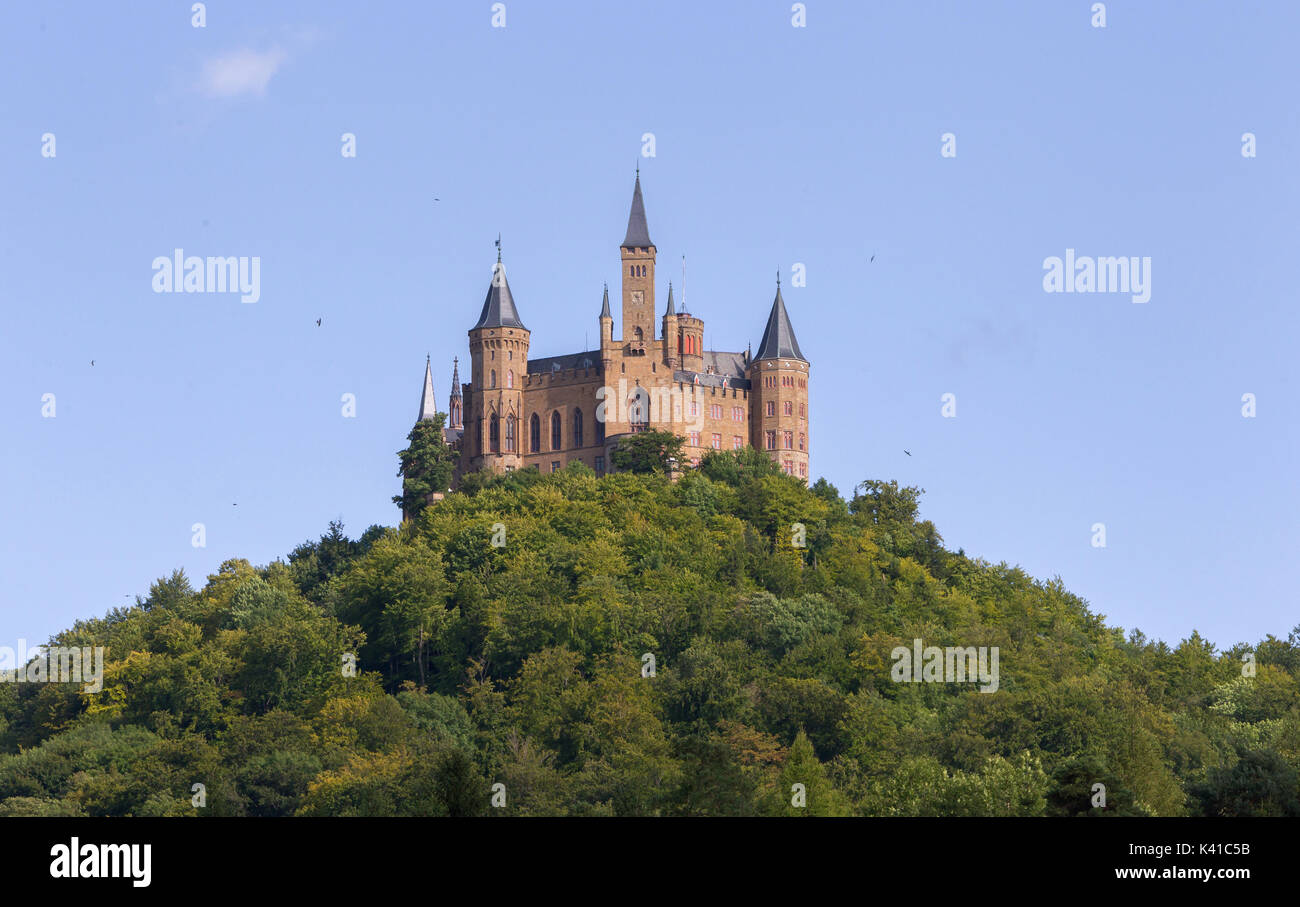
(638, 297)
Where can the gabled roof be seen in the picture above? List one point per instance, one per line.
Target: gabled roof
(778, 337)
(638, 234)
(499, 306)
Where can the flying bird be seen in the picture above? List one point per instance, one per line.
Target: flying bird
(318, 321)
(908, 452)
(92, 362)
(873, 258)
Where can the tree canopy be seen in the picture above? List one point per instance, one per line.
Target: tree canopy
(564, 644)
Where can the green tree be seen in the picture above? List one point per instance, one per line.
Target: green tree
(427, 465)
(647, 452)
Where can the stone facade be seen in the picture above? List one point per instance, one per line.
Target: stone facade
(516, 412)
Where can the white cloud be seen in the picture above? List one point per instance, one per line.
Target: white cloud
(241, 72)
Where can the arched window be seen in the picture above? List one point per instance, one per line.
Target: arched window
(556, 431)
(510, 378)
(494, 434)
(638, 335)
(534, 434)
(801, 442)
(510, 433)
(577, 428)
(600, 430)
(492, 380)
(631, 272)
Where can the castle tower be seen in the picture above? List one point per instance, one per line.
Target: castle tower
(672, 353)
(455, 405)
(498, 347)
(690, 342)
(778, 374)
(638, 254)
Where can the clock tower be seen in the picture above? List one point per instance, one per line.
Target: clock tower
(638, 254)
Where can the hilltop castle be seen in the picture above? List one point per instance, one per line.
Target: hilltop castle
(516, 412)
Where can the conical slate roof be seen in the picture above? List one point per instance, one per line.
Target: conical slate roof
(778, 337)
(428, 406)
(672, 309)
(499, 306)
(455, 378)
(638, 234)
(604, 304)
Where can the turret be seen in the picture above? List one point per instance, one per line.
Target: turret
(672, 355)
(456, 403)
(778, 376)
(498, 347)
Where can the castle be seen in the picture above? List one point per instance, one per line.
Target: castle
(516, 412)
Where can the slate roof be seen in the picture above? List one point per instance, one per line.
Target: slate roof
(499, 307)
(548, 364)
(778, 337)
(638, 234)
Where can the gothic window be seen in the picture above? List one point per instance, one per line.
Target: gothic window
(717, 441)
(510, 378)
(600, 430)
(510, 433)
(771, 407)
(638, 335)
(771, 440)
(492, 380)
(789, 407)
(494, 434)
(534, 434)
(577, 428)
(556, 440)
(801, 442)
(788, 439)
(736, 443)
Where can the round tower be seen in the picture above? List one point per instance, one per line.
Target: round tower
(778, 376)
(498, 349)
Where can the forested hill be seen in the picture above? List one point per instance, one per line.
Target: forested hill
(501, 637)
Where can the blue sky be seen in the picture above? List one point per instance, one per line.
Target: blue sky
(774, 145)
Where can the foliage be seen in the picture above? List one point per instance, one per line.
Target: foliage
(527, 664)
(647, 452)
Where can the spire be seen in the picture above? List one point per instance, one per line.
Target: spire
(638, 234)
(604, 305)
(428, 405)
(499, 306)
(672, 309)
(778, 337)
(456, 403)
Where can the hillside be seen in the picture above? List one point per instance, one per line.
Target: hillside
(522, 664)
